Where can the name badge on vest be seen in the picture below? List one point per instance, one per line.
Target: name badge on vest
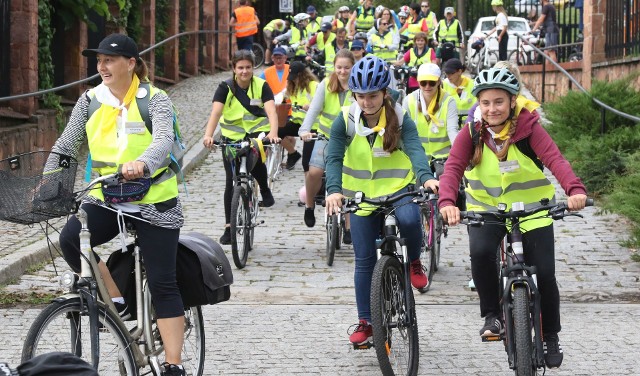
(508, 166)
(134, 127)
(255, 102)
(380, 153)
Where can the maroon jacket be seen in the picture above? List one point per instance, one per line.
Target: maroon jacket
(528, 127)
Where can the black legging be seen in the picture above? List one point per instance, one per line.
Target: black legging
(539, 251)
(158, 245)
(502, 47)
(291, 129)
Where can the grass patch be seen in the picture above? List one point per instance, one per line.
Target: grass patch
(10, 299)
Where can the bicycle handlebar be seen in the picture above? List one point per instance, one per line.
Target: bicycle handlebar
(555, 211)
(351, 204)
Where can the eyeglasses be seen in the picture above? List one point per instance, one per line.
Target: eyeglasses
(384, 23)
(424, 6)
(430, 83)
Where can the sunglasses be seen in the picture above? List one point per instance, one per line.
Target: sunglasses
(430, 83)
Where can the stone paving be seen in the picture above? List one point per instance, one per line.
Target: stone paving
(289, 312)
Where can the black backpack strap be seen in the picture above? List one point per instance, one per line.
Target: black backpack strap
(526, 149)
(143, 106)
(94, 105)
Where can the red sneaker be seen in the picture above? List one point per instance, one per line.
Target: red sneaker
(418, 278)
(363, 333)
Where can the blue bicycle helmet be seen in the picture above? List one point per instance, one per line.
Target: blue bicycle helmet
(369, 74)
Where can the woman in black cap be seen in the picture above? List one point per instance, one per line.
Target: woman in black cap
(459, 88)
(109, 118)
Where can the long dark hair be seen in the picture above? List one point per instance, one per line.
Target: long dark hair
(301, 82)
(392, 130)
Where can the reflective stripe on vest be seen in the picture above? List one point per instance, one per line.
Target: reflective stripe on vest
(330, 109)
(465, 100)
(246, 24)
(449, 33)
(300, 99)
(108, 151)
(236, 122)
(435, 144)
(374, 175)
(487, 186)
(365, 19)
(386, 40)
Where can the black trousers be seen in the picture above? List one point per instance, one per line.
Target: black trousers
(502, 47)
(158, 245)
(539, 251)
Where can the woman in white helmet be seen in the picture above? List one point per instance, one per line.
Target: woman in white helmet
(296, 35)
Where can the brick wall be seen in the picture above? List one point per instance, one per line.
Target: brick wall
(39, 134)
(24, 54)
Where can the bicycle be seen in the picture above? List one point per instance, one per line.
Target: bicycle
(84, 321)
(402, 74)
(483, 57)
(258, 54)
(393, 313)
(520, 298)
(523, 54)
(433, 229)
(245, 207)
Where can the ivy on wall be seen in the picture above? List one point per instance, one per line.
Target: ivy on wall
(45, 61)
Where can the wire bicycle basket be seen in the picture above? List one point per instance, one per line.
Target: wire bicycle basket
(36, 186)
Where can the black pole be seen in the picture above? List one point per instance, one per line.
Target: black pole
(544, 74)
(603, 125)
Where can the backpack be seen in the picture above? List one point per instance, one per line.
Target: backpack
(522, 145)
(177, 149)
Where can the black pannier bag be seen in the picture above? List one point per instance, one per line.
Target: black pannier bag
(203, 271)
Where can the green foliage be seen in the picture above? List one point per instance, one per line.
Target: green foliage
(134, 19)
(609, 163)
(45, 61)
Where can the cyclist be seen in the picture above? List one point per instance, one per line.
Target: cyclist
(245, 21)
(296, 35)
(415, 24)
(342, 19)
(551, 32)
(270, 31)
(314, 22)
(419, 54)
(428, 15)
(374, 151)
(501, 28)
(301, 86)
(332, 48)
(384, 42)
(332, 93)
(449, 30)
(362, 18)
(435, 115)
(459, 87)
(244, 107)
(500, 172)
(116, 138)
(357, 48)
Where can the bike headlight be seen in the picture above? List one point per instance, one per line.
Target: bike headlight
(67, 279)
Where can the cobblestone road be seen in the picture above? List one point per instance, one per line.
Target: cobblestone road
(289, 312)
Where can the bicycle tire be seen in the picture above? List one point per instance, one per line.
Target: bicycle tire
(258, 55)
(395, 336)
(47, 334)
(518, 57)
(438, 243)
(240, 227)
(427, 253)
(340, 231)
(522, 332)
(332, 237)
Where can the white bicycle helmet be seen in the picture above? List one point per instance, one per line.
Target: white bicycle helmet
(496, 78)
(379, 9)
(405, 9)
(402, 14)
(300, 17)
(343, 8)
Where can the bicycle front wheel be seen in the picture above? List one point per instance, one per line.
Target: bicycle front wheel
(395, 328)
(333, 237)
(258, 53)
(240, 227)
(64, 326)
(522, 332)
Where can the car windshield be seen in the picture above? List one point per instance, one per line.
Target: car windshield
(514, 26)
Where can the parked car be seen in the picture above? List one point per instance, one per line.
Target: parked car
(523, 7)
(517, 25)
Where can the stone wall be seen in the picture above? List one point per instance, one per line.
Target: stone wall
(24, 54)
(39, 134)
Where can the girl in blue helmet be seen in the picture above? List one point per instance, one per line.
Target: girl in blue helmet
(383, 137)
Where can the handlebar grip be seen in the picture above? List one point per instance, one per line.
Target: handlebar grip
(590, 202)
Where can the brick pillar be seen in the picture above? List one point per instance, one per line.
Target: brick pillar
(224, 38)
(75, 65)
(23, 62)
(171, 50)
(594, 38)
(208, 19)
(193, 43)
(148, 35)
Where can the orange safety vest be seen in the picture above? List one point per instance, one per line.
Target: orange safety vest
(271, 76)
(246, 24)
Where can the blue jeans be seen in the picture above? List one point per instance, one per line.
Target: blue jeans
(364, 232)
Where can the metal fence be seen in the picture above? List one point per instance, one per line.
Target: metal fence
(622, 22)
(5, 25)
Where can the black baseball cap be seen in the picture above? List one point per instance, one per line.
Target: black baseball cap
(294, 69)
(452, 65)
(115, 44)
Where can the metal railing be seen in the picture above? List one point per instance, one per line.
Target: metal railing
(65, 86)
(603, 106)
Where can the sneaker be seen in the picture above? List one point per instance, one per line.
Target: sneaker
(267, 198)
(123, 310)
(552, 350)
(225, 239)
(346, 237)
(292, 159)
(172, 370)
(309, 217)
(492, 325)
(418, 279)
(362, 333)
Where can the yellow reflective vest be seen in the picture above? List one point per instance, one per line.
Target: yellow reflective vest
(416, 61)
(301, 98)
(331, 109)
(434, 137)
(236, 122)
(386, 41)
(298, 36)
(364, 19)
(465, 100)
(450, 33)
(320, 42)
(108, 151)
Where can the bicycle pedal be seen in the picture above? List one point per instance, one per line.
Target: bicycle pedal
(362, 346)
(492, 338)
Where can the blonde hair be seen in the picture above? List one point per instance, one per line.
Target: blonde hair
(511, 67)
(141, 70)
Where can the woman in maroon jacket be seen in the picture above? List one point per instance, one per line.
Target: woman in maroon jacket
(502, 120)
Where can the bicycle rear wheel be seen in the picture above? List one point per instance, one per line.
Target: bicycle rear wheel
(395, 328)
(439, 231)
(522, 332)
(258, 53)
(240, 227)
(333, 237)
(427, 253)
(64, 326)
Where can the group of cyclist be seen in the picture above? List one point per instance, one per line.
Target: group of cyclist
(370, 143)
